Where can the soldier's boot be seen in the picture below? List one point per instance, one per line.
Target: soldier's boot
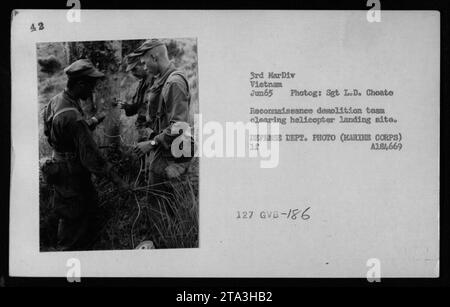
(72, 234)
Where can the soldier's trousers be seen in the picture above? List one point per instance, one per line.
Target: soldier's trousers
(75, 206)
(164, 169)
(164, 177)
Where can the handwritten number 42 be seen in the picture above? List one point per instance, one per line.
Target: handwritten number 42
(40, 27)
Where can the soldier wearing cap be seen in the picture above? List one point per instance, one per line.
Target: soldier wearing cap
(138, 103)
(169, 100)
(75, 157)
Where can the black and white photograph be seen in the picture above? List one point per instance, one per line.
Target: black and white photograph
(260, 144)
(109, 112)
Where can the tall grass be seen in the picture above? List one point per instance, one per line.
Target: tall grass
(165, 213)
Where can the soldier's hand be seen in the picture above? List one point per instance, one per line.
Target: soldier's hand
(116, 102)
(142, 148)
(100, 116)
(122, 104)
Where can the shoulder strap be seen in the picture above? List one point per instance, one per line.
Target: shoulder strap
(49, 122)
(63, 110)
(181, 74)
(173, 73)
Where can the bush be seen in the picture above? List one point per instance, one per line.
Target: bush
(175, 50)
(49, 65)
(101, 53)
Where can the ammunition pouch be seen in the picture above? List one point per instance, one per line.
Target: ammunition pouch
(61, 165)
(183, 154)
(64, 156)
(52, 171)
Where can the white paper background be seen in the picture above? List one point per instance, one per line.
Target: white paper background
(364, 204)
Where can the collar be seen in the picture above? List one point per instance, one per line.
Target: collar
(148, 79)
(162, 77)
(72, 100)
(170, 67)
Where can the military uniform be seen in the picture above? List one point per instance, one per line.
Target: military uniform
(75, 157)
(170, 99)
(139, 104)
